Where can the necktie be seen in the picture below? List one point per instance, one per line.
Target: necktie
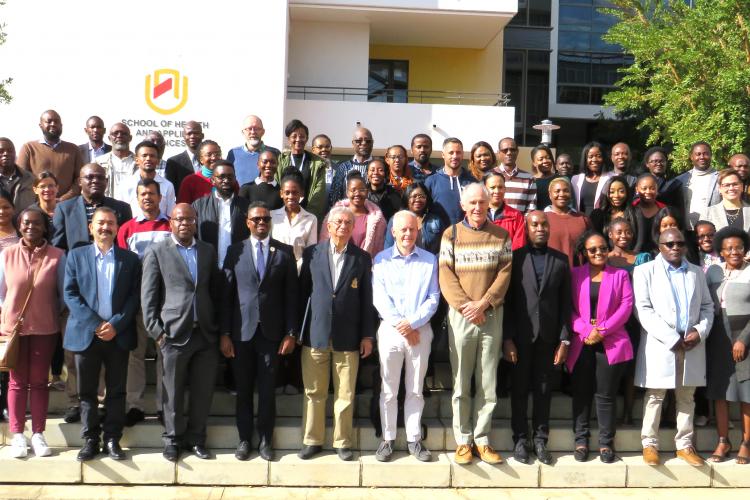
(260, 261)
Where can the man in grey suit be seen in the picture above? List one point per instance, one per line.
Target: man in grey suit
(699, 185)
(180, 279)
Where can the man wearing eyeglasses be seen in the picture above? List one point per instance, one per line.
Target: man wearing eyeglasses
(520, 188)
(362, 143)
(676, 311)
(119, 163)
(245, 157)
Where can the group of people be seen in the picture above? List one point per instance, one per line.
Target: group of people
(295, 268)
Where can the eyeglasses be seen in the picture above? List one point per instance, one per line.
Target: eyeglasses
(731, 250)
(362, 141)
(657, 162)
(257, 220)
(673, 244)
(508, 150)
(731, 185)
(595, 250)
(708, 236)
(417, 196)
(94, 177)
(396, 157)
(225, 177)
(341, 222)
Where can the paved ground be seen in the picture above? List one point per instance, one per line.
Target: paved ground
(172, 492)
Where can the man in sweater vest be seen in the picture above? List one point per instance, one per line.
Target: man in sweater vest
(475, 264)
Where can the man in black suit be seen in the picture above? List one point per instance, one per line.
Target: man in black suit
(102, 285)
(336, 283)
(536, 334)
(180, 282)
(186, 163)
(260, 307)
(96, 146)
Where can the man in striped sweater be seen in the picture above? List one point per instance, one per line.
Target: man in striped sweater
(520, 188)
(475, 263)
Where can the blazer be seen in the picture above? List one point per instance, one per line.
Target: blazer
(343, 314)
(717, 215)
(168, 292)
(681, 184)
(577, 182)
(248, 302)
(613, 309)
(655, 366)
(84, 149)
(70, 227)
(538, 312)
(207, 210)
(80, 294)
(178, 167)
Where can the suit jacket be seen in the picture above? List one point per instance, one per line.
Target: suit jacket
(538, 312)
(248, 302)
(168, 292)
(613, 309)
(80, 295)
(343, 314)
(178, 167)
(717, 215)
(70, 228)
(84, 149)
(682, 181)
(655, 366)
(577, 183)
(207, 210)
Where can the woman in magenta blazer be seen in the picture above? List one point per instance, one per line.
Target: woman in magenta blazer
(600, 346)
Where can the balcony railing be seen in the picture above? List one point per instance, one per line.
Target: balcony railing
(311, 92)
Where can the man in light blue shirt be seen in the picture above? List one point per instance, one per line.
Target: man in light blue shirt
(406, 295)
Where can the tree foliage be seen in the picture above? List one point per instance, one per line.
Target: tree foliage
(690, 80)
(4, 95)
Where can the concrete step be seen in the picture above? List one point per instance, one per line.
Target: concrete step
(147, 466)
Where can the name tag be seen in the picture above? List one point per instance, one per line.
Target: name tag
(355, 283)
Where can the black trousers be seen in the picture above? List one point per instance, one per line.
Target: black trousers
(89, 364)
(194, 364)
(593, 376)
(256, 360)
(532, 373)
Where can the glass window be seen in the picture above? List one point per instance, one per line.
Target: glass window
(575, 18)
(520, 18)
(539, 12)
(388, 81)
(574, 40)
(572, 95)
(574, 68)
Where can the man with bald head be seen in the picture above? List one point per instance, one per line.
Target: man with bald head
(95, 146)
(620, 156)
(180, 283)
(362, 144)
(119, 163)
(741, 163)
(245, 157)
(475, 265)
(52, 154)
(186, 163)
(535, 336)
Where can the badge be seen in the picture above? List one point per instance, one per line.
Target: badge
(355, 283)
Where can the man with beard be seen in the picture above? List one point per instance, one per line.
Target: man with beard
(188, 162)
(245, 157)
(421, 150)
(620, 157)
(362, 143)
(741, 163)
(146, 159)
(59, 157)
(119, 164)
(95, 146)
(158, 139)
(700, 187)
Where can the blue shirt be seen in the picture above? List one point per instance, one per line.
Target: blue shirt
(405, 287)
(105, 279)
(246, 162)
(677, 280)
(190, 256)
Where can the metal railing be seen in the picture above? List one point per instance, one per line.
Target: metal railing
(313, 92)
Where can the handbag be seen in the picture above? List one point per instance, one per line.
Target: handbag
(9, 346)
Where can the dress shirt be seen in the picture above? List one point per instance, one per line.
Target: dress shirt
(190, 256)
(260, 181)
(405, 286)
(94, 153)
(677, 281)
(118, 170)
(128, 192)
(105, 277)
(299, 233)
(225, 226)
(161, 168)
(336, 262)
(264, 244)
(194, 160)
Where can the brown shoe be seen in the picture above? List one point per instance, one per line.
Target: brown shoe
(463, 455)
(651, 455)
(690, 456)
(487, 455)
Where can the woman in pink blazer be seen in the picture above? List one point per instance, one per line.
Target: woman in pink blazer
(600, 346)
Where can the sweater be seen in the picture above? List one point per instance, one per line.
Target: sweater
(194, 186)
(475, 265)
(265, 192)
(564, 231)
(64, 160)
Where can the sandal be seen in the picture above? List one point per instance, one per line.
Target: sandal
(724, 457)
(743, 459)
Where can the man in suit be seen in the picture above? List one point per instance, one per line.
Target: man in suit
(676, 311)
(186, 163)
(102, 284)
(336, 285)
(180, 281)
(536, 334)
(699, 186)
(260, 307)
(95, 146)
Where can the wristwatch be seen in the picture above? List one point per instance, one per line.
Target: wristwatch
(565, 342)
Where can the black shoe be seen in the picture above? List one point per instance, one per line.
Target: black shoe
(112, 447)
(133, 416)
(581, 454)
(265, 451)
(102, 413)
(199, 451)
(308, 451)
(171, 452)
(607, 455)
(521, 451)
(345, 454)
(89, 451)
(243, 451)
(72, 415)
(542, 454)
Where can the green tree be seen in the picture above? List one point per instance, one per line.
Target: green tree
(690, 80)
(4, 95)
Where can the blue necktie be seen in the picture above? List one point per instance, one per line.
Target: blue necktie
(260, 261)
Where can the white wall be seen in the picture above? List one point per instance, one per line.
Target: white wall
(92, 58)
(457, 5)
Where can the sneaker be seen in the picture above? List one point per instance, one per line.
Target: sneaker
(385, 450)
(701, 421)
(19, 446)
(419, 452)
(39, 445)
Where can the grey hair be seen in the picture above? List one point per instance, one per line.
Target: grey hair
(474, 185)
(404, 213)
(341, 210)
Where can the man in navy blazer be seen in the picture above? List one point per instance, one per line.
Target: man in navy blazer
(259, 322)
(102, 284)
(336, 285)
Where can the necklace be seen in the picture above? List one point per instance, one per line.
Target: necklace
(732, 215)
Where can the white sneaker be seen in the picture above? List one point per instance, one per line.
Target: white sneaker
(701, 421)
(39, 445)
(19, 446)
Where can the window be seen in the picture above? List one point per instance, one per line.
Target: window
(526, 79)
(533, 13)
(388, 81)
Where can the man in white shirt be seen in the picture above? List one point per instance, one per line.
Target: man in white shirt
(119, 163)
(146, 159)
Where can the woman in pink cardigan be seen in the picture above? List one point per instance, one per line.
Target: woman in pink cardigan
(600, 346)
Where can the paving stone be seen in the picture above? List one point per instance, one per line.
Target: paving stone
(326, 469)
(406, 471)
(509, 474)
(567, 473)
(143, 466)
(223, 470)
(672, 472)
(60, 467)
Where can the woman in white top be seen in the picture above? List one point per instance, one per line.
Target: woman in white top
(731, 211)
(292, 224)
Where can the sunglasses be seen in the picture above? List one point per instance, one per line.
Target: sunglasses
(594, 250)
(258, 220)
(673, 244)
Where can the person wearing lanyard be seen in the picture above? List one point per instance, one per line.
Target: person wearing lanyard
(671, 354)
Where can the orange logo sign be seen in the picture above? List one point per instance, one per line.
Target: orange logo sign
(165, 92)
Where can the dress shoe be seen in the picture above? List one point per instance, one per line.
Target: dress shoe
(345, 454)
(690, 456)
(581, 453)
(418, 451)
(112, 447)
(521, 451)
(486, 454)
(651, 455)
(463, 454)
(243, 451)
(89, 451)
(308, 451)
(607, 455)
(72, 415)
(199, 451)
(542, 453)
(265, 451)
(171, 452)
(133, 416)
